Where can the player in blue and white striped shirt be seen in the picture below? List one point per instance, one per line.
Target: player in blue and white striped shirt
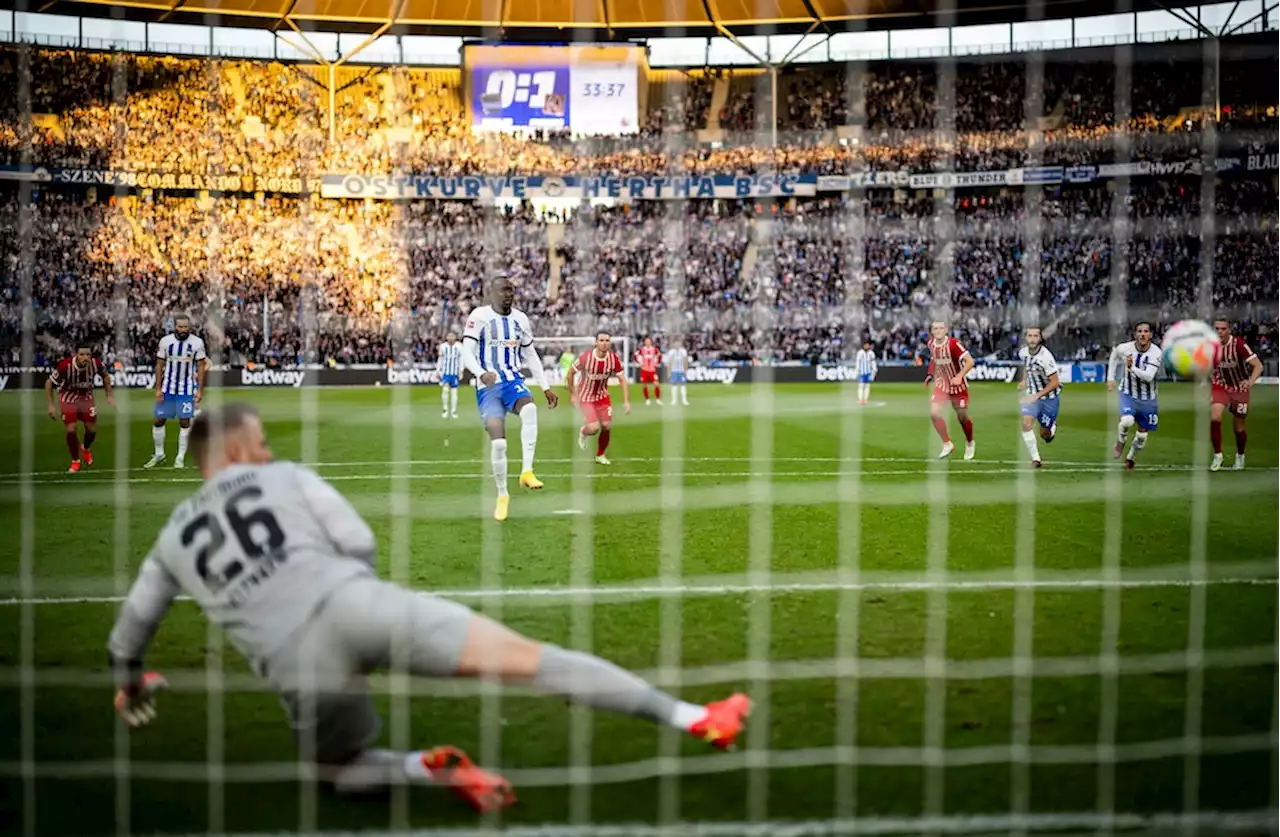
(499, 340)
(678, 372)
(449, 363)
(1136, 364)
(181, 364)
(865, 360)
(1041, 387)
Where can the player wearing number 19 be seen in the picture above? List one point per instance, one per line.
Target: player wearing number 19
(1136, 364)
(282, 563)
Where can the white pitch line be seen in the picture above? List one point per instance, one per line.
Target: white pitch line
(1204, 822)
(665, 591)
(968, 469)
(384, 463)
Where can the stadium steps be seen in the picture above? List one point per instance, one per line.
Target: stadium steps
(236, 80)
(719, 96)
(750, 256)
(555, 236)
(140, 235)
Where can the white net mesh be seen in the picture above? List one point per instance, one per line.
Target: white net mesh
(931, 645)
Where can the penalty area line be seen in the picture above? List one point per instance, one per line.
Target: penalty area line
(1209, 822)
(659, 591)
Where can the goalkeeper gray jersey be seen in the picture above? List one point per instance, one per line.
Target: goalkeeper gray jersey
(259, 548)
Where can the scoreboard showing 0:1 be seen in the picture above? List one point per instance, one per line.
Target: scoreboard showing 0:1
(588, 89)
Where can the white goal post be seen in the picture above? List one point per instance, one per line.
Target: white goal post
(549, 349)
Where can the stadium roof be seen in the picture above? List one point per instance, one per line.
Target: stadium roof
(551, 20)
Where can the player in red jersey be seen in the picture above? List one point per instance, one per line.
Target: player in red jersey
(74, 378)
(649, 358)
(949, 363)
(1234, 374)
(588, 382)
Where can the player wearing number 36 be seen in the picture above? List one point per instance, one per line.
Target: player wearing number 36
(279, 560)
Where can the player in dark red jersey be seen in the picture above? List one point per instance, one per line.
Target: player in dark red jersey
(1236, 371)
(949, 363)
(649, 358)
(74, 379)
(588, 382)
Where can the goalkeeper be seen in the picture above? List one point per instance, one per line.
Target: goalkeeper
(280, 561)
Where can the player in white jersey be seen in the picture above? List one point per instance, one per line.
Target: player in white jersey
(865, 361)
(181, 366)
(1041, 388)
(678, 372)
(282, 563)
(1135, 364)
(499, 340)
(449, 362)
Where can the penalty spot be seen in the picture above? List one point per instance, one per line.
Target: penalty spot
(567, 511)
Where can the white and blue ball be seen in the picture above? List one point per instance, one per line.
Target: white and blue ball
(1190, 348)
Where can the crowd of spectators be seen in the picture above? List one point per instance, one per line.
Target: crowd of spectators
(283, 278)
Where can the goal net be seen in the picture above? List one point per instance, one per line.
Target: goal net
(1015, 603)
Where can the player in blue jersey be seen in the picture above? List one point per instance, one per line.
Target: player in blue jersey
(498, 340)
(1041, 387)
(449, 363)
(678, 372)
(1136, 366)
(865, 360)
(181, 365)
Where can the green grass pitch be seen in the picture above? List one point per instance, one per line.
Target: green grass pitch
(923, 638)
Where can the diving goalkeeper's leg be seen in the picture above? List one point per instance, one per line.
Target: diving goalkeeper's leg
(494, 651)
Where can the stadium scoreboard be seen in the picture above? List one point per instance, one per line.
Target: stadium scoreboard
(586, 89)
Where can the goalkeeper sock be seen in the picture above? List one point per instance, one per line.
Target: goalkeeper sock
(1215, 435)
(498, 456)
(603, 444)
(157, 436)
(73, 445)
(599, 684)
(183, 434)
(1033, 447)
(528, 436)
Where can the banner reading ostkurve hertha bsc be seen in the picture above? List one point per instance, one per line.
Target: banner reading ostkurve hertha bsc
(414, 187)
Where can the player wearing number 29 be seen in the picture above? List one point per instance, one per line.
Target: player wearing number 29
(1136, 364)
(181, 364)
(1042, 389)
(1236, 371)
(949, 363)
(499, 340)
(282, 563)
(588, 382)
(74, 379)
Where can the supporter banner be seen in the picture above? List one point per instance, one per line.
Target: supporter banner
(155, 180)
(405, 187)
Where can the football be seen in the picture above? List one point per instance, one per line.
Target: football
(1190, 348)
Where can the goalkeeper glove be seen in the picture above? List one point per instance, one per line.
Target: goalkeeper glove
(136, 704)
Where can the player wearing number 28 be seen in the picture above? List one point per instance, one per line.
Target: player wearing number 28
(949, 363)
(281, 562)
(1236, 371)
